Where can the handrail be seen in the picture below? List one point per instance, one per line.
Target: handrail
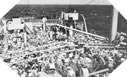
(100, 71)
(28, 28)
(82, 31)
(52, 24)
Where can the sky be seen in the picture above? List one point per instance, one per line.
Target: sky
(94, 2)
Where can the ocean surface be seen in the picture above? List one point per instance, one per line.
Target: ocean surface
(98, 17)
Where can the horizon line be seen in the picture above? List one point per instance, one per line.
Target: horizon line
(64, 4)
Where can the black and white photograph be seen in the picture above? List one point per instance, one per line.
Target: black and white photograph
(63, 38)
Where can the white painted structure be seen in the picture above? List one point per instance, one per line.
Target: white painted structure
(15, 24)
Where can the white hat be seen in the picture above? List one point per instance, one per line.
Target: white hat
(88, 60)
(106, 51)
(67, 60)
(115, 51)
(52, 65)
(109, 58)
(71, 55)
(122, 59)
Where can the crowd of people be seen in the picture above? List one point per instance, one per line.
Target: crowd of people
(51, 54)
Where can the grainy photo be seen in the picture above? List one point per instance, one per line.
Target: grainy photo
(69, 38)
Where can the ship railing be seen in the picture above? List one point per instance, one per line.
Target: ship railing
(53, 21)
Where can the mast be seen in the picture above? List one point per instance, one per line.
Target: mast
(69, 8)
(27, 8)
(114, 24)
